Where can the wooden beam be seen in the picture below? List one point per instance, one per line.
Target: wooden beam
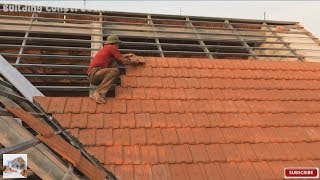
(243, 42)
(150, 22)
(301, 58)
(205, 49)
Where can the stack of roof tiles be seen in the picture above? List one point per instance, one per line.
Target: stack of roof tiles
(201, 119)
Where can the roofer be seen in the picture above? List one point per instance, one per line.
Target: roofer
(103, 67)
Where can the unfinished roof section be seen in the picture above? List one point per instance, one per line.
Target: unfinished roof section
(53, 50)
(179, 118)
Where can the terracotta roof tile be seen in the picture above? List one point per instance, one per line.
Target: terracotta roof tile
(264, 170)
(165, 93)
(231, 152)
(165, 154)
(119, 106)
(180, 82)
(168, 82)
(131, 155)
(262, 152)
(44, 102)
(124, 171)
(104, 137)
(189, 118)
(162, 106)
(111, 120)
(142, 82)
(121, 137)
(127, 121)
(88, 106)
(113, 155)
(146, 72)
(87, 136)
(128, 81)
(57, 105)
(73, 105)
(215, 135)
(160, 171)
(200, 135)
(182, 154)
(178, 94)
(173, 120)
(142, 172)
(247, 171)
(148, 154)
(213, 170)
(104, 108)
(148, 106)
(143, 120)
(178, 171)
(185, 135)
(133, 106)
(158, 120)
(155, 82)
(64, 119)
(169, 136)
(190, 106)
(195, 171)
(199, 153)
(95, 120)
(215, 153)
(152, 93)
(230, 171)
(79, 120)
(138, 136)
(123, 92)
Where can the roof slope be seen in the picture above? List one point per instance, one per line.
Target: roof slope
(202, 119)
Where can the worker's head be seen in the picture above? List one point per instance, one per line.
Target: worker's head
(113, 39)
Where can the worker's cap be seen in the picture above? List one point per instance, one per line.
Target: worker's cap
(113, 39)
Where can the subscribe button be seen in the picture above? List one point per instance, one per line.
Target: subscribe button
(306, 172)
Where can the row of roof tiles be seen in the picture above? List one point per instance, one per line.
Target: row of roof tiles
(229, 64)
(205, 171)
(167, 136)
(175, 120)
(217, 83)
(221, 73)
(200, 153)
(59, 105)
(215, 94)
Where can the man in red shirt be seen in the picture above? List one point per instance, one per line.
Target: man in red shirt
(103, 67)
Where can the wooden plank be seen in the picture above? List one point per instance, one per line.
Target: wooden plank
(36, 124)
(86, 167)
(63, 148)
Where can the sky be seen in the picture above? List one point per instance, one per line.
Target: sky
(305, 12)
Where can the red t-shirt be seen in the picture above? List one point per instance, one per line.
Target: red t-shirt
(105, 56)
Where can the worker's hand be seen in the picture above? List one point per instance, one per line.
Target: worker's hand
(129, 55)
(135, 61)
